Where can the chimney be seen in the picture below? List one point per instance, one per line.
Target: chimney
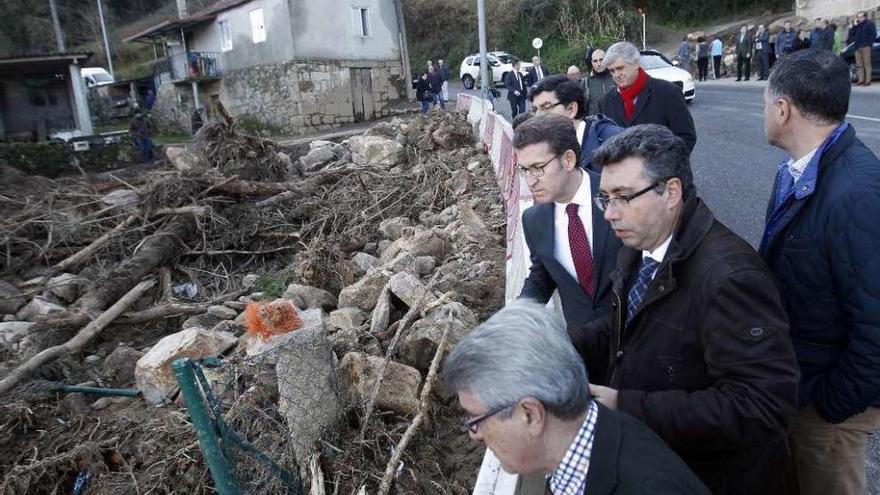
(181, 9)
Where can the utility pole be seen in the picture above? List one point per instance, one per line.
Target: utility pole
(59, 37)
(484, 62)
(104, 33)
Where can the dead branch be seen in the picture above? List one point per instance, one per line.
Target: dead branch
(78, 341)
(236, 251)
(164, 311)
(89, 250)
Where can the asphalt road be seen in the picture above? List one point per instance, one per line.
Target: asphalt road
(734, 167)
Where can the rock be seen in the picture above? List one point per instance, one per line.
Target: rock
(38, 307)
(92, 360)
(345, 341)
(425, 264)
(317, 158)
(153, 374)
(460, 182)
(229, 326)
(404, 262)
(423, 242)
(11, 299)
(122, 198)
(76, 404)
(473, 166)
(204, 320)
(307, 389)
(398, 391)
(346, 318)
(184, 160)
(383, 246)
(407, 287)
(67, 286)
(306, 296)
(371, 248)
(222, 312)
(375, 150)
(119, 366)
(419, 344)
(364, 293)
(391, 228)
(381, 316)
(320, 143)
(238, 306)
(13, 331)
(249, 281)
(8, 318)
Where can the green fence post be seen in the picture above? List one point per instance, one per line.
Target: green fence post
(223, 480)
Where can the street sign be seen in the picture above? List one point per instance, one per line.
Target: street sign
(537, 43)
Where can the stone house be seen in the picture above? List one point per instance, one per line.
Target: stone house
(834, 9)
(289, 66)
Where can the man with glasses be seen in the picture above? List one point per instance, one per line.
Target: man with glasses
(562, 96)
(572, 248)
(696, 345)
(524, 392)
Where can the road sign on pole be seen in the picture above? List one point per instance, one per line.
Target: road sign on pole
(537, 43)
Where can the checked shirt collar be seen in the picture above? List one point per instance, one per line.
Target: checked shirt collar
(570, 476)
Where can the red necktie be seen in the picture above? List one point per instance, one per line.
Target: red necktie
(580, 249)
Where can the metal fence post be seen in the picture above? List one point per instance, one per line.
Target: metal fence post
(217, 463)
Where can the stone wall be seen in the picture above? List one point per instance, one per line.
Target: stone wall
(831, 9)
(54, 158)
(173, 108)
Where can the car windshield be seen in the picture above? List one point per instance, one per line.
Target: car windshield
(653, 62)
(102, 78)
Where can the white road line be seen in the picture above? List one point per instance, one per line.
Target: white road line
(872, 119)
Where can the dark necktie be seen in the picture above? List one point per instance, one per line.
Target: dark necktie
(580, 249)
(640, 286)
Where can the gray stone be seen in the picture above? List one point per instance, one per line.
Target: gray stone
(317, 158)
(122, 198)
(418, 346)
(92, 360)
(153, 374)
(391, 228)
(11, 299)
(67, 286)
(345, 341)
(38, 307)
(404, 262)
(375, 150)
(230, 326)
(306, 296)
(398, 390)
(423, 242)
(222, 312)
(383, 246)
(381, 316)
(184, 160)
(119, 366)
(249, 281)
(425, 264)
(346, 318)
(204, 320)
(407, 287)
(76, 404)
(8, 318)
(320, 143)
(13, 331)
(472, 166)
(365, 292)
(236, 305)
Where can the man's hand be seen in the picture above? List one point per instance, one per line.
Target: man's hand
(516, 93)
(606, 396)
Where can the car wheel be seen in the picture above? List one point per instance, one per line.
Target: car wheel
(467, 81)
(853, 72)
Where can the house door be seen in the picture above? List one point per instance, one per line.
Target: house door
(362, 95)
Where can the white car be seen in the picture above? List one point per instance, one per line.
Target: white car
(658, 66)
(96, 76)
(500, 62)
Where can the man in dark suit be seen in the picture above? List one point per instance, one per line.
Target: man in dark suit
(536, 72)
(572, 249)
(744, 46)
(516, 90)
(524, 391)
(642, 99)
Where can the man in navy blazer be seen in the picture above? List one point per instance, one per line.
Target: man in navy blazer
(572, 246)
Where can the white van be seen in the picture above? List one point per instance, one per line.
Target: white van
(96, 76)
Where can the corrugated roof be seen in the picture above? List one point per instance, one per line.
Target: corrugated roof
(175, 24)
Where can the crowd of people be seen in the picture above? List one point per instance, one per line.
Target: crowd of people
(432, 86)
(684, 361)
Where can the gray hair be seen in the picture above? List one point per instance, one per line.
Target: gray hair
(665, 155)
(521, 351)
(622, 50)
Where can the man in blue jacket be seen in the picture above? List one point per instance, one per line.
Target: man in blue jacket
(785, 40)
(822, 240)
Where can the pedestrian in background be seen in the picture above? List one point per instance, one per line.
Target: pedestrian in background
(574, 74)
(423, 92)
(599, 83)
(762, 52)
(702, 59)
(436, 83)
(786, 40)
(862, 34)
(744, 47)
(822, 37)
(516, 90)
(444, 76)
(835, 48)
(141, 130)
(821, 241)
(536, 72)
(684, 54)
(717, 54)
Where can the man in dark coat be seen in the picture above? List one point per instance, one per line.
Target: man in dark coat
(524, 392)
(822, 37)
(536, 72)
(641, 99)
(822, 241)
(743, 52)
(571, 247)
(516, 90)
(762, 52)
(785, 40)
(599, 83)
(862, 34)
(696, 345)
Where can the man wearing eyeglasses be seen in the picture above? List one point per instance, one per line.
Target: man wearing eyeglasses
(696, 345)
(524, 392)
(572, 248)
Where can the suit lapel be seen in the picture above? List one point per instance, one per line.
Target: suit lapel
(602, 473)
(642, 102)
(601, 230)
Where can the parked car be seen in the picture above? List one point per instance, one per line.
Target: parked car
(500, 62)
(849, 56)
(660, 67)
(96, 76)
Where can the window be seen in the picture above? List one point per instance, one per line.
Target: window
(258, 27)
(360, 18)
(225, 36)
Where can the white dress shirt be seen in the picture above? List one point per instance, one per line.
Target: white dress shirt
(658, 254)
(797, 168)
(580, 128)
(561, 247)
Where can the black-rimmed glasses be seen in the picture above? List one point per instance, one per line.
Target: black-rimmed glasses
(602, 202)
(546, 107)
(471, 425)
(536, 171)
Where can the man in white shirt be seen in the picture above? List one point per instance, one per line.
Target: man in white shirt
(571, 246)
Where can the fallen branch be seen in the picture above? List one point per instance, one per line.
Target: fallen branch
(164, 311)
(424, 399)
(78, 341)
(236, 251)
(89, 250)
(195, 210)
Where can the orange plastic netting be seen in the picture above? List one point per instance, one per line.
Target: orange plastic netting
(272, 318)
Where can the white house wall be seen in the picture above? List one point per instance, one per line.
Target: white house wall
(324, 30)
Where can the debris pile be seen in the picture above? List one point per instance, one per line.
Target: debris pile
(385, 249)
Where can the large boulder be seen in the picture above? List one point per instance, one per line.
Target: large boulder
(365, 262)
(67, 286)
(419, 344)
(365, 292)
(375, 150)
(306, 296)
(398, 392)
(38, 307)
(11, 299)
(153, 374)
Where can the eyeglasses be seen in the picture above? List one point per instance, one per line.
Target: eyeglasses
(602, 202)
(472, 425)
(536, 171)
(546, 107)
